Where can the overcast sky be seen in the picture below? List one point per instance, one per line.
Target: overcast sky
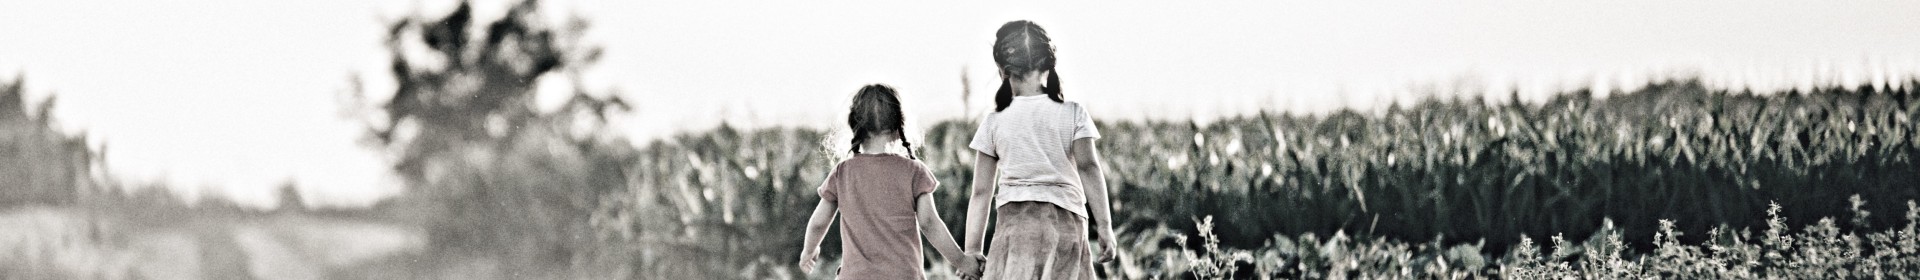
(233, 98)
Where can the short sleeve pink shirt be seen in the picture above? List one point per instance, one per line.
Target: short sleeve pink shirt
(879, 235)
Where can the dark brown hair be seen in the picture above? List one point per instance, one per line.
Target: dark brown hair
(876, 108)
(1022, 47)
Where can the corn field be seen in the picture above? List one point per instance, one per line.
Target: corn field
(1468, 181)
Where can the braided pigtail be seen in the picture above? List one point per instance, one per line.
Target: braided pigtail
(1053, 86)
(909, 146)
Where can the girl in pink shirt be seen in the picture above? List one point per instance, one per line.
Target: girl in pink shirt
(885, 201)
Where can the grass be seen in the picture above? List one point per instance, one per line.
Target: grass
(1821, 250)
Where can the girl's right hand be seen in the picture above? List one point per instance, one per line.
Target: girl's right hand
(971, 266)
(1108, 252)
(807, 260)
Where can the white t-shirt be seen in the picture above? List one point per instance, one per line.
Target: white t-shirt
(1032, 139)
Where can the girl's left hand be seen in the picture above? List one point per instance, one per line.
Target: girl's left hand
(971, 266)
(807, 260)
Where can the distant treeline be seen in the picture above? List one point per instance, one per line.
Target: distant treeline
(39, 164)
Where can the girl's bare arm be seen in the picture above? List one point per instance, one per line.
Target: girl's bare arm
(1087, 161)
(981, 204)
(937, 234)
(816, 231)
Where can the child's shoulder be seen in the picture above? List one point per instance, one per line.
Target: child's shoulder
(1076, 106)
(878, 161)
(988, 117)
(917, 164)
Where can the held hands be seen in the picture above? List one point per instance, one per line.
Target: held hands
(808, 258)
(971, 266)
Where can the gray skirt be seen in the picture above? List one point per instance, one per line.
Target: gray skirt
(1038, 240)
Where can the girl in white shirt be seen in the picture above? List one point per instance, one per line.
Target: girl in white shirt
(1036, 164)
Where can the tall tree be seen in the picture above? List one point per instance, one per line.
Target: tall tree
(502, 181)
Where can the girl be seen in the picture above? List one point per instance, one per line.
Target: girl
(1037, 164)
(887, 197)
